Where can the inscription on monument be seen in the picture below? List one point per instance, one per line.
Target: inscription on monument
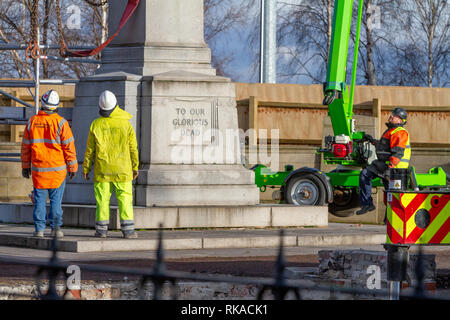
(191, 122)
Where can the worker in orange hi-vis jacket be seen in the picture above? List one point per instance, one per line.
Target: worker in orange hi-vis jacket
(393, 152)
(48, 152)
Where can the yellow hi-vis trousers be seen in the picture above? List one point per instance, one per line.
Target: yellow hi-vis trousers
(124, 195)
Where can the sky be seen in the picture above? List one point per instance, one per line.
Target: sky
(234, 43)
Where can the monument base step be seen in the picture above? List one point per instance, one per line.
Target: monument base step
(255, 216)
(83, 240)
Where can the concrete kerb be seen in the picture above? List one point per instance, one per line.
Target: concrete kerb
(256, 216)
(222, 227)
(79, 240)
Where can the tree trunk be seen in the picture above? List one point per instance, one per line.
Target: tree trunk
(430, 60)
(370, 70)
(104, 23)
(430, 37)
(330, 26)
(45, 37)
(429, 14)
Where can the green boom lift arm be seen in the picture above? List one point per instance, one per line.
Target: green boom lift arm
(309, 186)
(346, 147)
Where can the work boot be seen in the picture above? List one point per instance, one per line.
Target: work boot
(100, 235)
(365, 209)
(130, 235)
(101, 229)
(57, 232)
(39, 234)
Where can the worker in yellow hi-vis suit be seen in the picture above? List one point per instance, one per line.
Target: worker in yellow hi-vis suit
(112, 147)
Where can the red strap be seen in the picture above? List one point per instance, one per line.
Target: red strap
(131, 6)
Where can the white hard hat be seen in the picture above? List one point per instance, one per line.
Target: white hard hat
(50, 100)
(107, 100)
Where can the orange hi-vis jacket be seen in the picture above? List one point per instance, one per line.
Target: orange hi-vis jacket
(48, 148)
(394, 147)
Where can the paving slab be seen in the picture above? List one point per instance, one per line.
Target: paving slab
(82, 240)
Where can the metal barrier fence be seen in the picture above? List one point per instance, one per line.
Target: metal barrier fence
(279, 286)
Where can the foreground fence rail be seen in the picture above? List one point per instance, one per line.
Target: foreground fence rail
(279, 286)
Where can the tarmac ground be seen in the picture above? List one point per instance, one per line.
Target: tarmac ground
(242, 261)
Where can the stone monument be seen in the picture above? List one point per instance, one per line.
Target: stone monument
(185, 116)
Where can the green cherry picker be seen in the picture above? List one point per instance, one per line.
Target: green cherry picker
(347, 148)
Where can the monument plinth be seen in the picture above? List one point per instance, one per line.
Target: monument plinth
(185, 116)
(160, 36)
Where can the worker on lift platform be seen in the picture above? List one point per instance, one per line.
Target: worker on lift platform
(393, 151)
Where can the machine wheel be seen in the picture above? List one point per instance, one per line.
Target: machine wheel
(344, 201)
(305, 190)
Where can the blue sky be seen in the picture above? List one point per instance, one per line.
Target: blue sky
(235, 44)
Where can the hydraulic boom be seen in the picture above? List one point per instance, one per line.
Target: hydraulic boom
(346, 147)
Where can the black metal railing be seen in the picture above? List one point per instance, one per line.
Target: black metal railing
(279, 286)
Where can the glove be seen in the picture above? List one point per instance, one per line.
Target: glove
(379, 168)
(71, 175)
(26, 173)
(369, 138)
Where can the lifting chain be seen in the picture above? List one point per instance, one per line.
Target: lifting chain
(63, 50)
(32, 51)
(62, 44)
(93, 3)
